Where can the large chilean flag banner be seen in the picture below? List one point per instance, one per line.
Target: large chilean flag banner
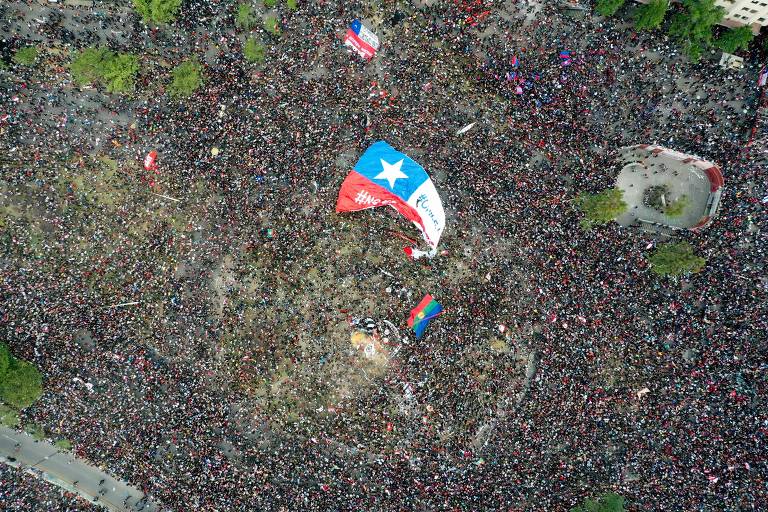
(361, 40)
(385, 177)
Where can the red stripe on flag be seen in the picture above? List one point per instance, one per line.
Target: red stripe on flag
(359, 193)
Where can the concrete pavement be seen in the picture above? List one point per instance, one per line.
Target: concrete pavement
(63, 469)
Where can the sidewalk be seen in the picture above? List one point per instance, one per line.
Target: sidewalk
(62, 468)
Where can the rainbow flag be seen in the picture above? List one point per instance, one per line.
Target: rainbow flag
(427, 309)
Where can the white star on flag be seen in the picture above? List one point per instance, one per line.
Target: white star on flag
(390, 172)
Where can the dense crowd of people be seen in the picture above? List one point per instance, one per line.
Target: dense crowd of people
(23, 491)
(645, 386)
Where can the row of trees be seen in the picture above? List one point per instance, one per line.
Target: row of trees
(165, 11)
(692, 26)
(21, 384)
(117, 72)
(671, 259)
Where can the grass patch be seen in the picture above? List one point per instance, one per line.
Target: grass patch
(8, 417)
(63, 444)
(35, 430)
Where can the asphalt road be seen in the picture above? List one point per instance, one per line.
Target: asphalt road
(63, 469)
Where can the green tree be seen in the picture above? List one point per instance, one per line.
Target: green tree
(674, 259)
(292, 5)
(609, 502)
(650, 15)
(602, 207)
(253, 51)
(186, 79)
(88, 66)
(245, 18)
(735, 39)
(120, 72)
(677, 207)
(270, 3)
(271, 25)
(25, 56)
(21, 385)
(693, 27)
(157, 11)
(608, 7)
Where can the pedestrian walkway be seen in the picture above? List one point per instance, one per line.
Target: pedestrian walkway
(62, 468)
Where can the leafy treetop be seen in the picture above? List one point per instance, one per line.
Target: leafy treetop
(693, 27)
(120, 72)
(675, 259)
(609, 502)
(253, 51)
(88, 66)
(157, 11)
(187, 78)
(21, 385)
(602, 207)
(25, 56)
(608, 7)
(735, 39)
(650, 15)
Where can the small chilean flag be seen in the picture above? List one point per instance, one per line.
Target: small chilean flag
(361, 40)
(427, 309)
(150, 161)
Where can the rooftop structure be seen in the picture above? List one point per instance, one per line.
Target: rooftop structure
(666, 189)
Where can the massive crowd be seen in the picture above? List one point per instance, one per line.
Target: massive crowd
(23, 491)
(161, 410)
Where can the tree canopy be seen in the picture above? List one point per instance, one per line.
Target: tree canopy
(88, 66)
(25, 56)
(253, 51)
(650, 15)
(610, 502)
(602, 207)
(674, 259)
(245, 19)
(735, 39)
(21, 385)
(157, 11)
(186, 79)
(272, 26)
(120, 72)
(677, 207)
(694, 25)
(608, 7)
